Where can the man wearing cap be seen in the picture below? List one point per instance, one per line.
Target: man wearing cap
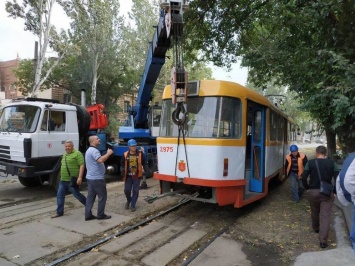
(294, 167)
(133, 165)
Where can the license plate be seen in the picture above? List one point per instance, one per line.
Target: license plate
(2, 167)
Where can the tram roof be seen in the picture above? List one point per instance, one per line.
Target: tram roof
(229, 89)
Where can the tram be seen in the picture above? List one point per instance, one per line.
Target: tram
(233, 142)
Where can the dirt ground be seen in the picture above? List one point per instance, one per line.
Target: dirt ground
(277, 230)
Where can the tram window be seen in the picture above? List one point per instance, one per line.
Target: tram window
(217, 117)
(291, 132)
(280, 135)
(273, 126)
(257, 126)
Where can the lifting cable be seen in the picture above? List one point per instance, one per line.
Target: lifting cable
(181, 129)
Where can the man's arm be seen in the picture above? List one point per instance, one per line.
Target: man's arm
(286, 165)
(81, 173)
(340, 193)
(104, 158)
(305, 175)
(335, 175)
(144, 163)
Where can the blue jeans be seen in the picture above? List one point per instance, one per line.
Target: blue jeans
(296, 186)
(352, 233)
(131, 189)
(96, 187)
(62, 191)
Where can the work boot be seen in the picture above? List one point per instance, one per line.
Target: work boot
(143, 185)
(127, 205)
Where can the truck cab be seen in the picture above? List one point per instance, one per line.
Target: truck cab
(32, 134)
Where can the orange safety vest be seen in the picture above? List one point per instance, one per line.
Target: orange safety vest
(299, 162)
(140, 166)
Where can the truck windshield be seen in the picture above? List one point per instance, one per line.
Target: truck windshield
(19, 118)
(208, 117)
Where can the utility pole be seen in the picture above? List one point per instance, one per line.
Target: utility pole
(35, 61)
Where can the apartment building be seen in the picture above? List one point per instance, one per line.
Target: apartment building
(7, 78)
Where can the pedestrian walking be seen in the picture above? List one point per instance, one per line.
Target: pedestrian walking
(345, 187)
(320, 169)
(133, 164)
(294, 167)
(71, 177)
(95, 179)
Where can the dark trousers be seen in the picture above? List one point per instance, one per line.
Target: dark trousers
(131, 190)
(96, 187)
(64, 187)
(321, 208)
(296, 186)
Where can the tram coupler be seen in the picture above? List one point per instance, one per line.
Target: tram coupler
(151, 199)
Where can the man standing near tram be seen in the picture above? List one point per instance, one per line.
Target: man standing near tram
(133, 165)
(294, 167)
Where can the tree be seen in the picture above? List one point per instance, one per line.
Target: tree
(304, 45)
(37, 16)
(96, 26)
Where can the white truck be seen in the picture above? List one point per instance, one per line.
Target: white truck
(32, 134)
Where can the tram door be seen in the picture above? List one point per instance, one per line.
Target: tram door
(257, 167)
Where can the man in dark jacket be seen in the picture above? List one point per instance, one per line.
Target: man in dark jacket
(321, 206)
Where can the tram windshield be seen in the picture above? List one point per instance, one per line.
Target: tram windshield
(208, 117)
(21, 118)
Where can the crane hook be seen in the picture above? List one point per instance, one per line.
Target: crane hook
(179, 114)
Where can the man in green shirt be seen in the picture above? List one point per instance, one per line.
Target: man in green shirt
(72, 170)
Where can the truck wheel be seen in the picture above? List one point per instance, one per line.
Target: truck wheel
(31, 181)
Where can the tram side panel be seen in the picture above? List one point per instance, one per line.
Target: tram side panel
(220, 168)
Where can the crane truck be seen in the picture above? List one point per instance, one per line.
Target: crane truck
(33, 130)
(143, 120)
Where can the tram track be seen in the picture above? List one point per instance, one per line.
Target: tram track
(160, 239)
(203, 247)
(120, 233)
(126, 237)
(117, 245)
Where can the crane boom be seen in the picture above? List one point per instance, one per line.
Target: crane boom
(168, 32)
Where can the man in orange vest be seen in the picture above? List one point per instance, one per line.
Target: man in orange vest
(294, 167)
(134, 165)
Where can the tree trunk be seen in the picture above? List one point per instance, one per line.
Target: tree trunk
(94, 80)
(348, 145)
(331, 142)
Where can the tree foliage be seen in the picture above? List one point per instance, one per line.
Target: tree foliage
(37, 18)
(96, 27)
(304, 45)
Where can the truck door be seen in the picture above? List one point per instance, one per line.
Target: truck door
(52, 133)
(257, 167)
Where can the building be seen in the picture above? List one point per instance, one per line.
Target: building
(7, 79)
(8, 89)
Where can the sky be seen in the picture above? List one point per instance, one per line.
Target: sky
(17, 42)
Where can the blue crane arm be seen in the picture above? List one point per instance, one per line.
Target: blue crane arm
(155, 61)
